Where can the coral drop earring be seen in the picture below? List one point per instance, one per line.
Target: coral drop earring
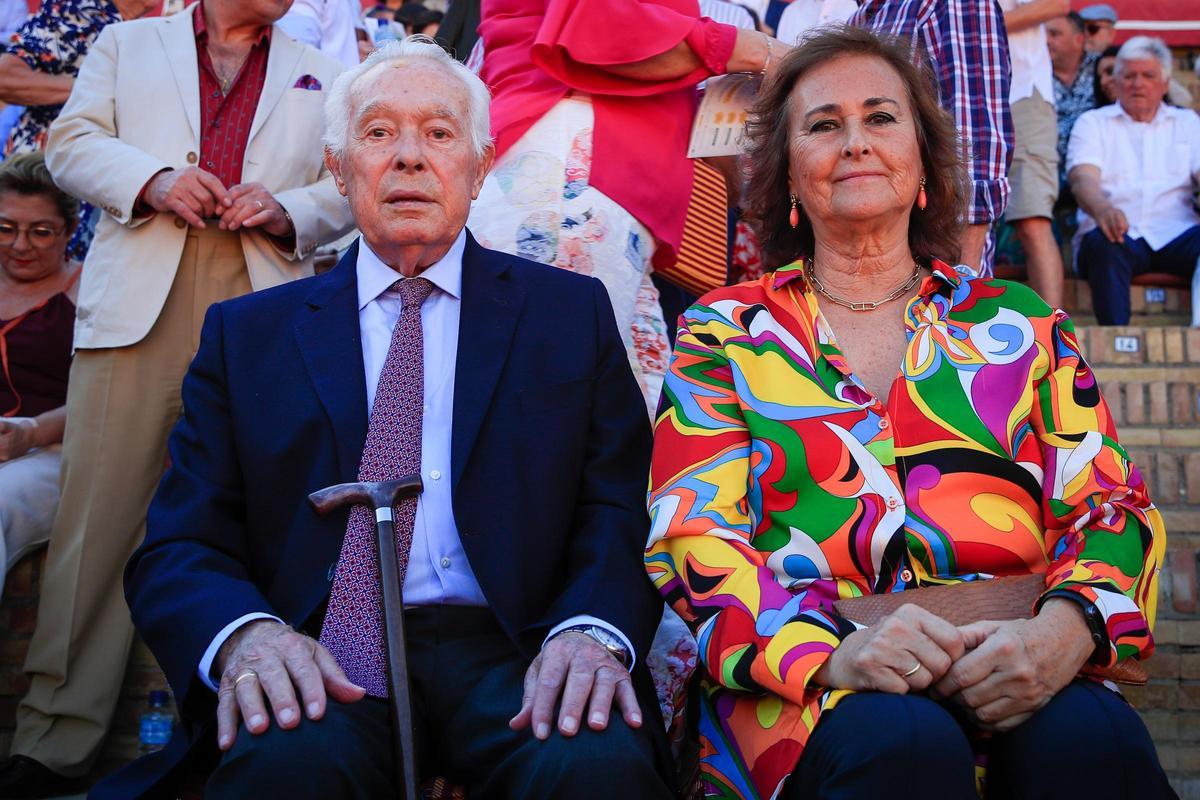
(794, 214)
(922, 200)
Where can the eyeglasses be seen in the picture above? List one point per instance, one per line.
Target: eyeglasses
(40, 236)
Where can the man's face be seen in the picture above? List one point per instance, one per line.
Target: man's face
(410, 170)
(1064, 41)
(1141, 86)
(1098, 35)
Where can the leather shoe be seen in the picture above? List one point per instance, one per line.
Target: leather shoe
(23, 778)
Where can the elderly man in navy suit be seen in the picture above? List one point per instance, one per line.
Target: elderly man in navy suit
(505, 383)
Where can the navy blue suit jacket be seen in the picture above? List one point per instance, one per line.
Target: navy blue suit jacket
(550, 453)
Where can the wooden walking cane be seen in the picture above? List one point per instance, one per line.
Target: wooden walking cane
(381, 497)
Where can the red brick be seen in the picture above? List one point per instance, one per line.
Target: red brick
(1111, 390)
(1191, 474)
(1182, 400)
(1192, 335)
(1154, 695)
(1189, 695)
(1160, 407)
(1189, 632)
(1189, 666)
(1135, 403)
(1163, 665)
(1173, 345)
(1163, 725)
(1188, 725)
(1166, 490)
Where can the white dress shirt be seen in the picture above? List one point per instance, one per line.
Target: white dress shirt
(1149, 170)
(1031, 67)
(327, 25)
(438, 572)
(804, 17)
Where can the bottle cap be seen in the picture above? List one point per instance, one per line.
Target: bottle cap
(158, 697)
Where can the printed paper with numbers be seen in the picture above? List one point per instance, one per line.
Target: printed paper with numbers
(717, 129)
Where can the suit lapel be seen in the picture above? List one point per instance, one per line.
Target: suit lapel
(179, 41)
(330, 345)
(491, 306)
(282, 60)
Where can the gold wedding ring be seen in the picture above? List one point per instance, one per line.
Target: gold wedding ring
(245, 676)
(912, 671)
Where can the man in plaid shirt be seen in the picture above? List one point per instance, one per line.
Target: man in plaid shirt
(968, 48)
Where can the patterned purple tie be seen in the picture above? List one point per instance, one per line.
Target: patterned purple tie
(353, 627)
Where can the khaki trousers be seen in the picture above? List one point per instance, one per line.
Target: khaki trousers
(121, 404)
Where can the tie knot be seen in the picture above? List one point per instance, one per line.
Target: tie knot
(413, 291)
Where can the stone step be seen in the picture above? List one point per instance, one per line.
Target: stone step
(1145, 300)
(1140, 346)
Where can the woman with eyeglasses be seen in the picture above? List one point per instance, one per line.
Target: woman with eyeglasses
(37, 318)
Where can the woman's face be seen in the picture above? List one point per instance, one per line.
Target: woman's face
(853, 146)
(33, 236)
(1108, 79)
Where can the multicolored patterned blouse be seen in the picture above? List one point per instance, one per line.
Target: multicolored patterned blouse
(55, 41)
(780, 484)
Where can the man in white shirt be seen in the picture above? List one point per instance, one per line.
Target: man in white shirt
(1033, 176)
(502, 383)
(804, 16)
(1134, 167)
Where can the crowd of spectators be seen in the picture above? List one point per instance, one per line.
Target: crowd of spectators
(154, 168)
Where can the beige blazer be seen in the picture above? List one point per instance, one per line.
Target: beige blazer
(135, 110)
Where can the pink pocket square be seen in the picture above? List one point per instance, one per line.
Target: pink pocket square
(308, 82)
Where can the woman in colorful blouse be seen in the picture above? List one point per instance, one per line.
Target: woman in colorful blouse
(793, 466)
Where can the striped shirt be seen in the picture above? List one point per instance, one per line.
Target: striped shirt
(728, 13)
(968, 47)
(226, 116)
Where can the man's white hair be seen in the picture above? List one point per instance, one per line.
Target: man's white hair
(1139, 47)
(339, 104)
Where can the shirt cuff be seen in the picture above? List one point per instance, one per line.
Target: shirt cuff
(989, 199)
(713, 42)
(210, 654)
(586, 619)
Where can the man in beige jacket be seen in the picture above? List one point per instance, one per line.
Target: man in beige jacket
(199, 135)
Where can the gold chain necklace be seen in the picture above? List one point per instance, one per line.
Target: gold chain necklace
(811, 272)
(226, 81)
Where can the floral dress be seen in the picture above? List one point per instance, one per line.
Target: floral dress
(55, 41)
(780, 484)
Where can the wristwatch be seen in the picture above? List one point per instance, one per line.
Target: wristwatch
(610, 642)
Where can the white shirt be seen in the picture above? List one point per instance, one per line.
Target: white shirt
(727, 13)
(1031, 67)
(802, 17)
(1149, 170)
(438, 572)
(327, 25)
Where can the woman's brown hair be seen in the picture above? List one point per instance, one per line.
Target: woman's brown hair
(26, 174)
(933, 232)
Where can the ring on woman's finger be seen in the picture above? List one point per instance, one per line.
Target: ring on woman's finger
(247, 675)
(913, 670)
(259, 203)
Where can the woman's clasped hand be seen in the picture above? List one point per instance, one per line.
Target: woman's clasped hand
(999, 672)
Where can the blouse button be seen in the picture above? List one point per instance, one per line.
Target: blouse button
(192, 157)
(906, 575)
(445, 562)
(883, 423)
(892, 503)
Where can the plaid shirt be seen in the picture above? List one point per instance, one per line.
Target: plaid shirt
(968, 48)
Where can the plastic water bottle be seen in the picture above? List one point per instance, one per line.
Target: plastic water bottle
(157, 722)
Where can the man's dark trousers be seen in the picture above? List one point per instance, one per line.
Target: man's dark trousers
(1110, 268)
(468, 683)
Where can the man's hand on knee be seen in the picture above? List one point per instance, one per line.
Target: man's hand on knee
(576, 667)
(267, 656)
